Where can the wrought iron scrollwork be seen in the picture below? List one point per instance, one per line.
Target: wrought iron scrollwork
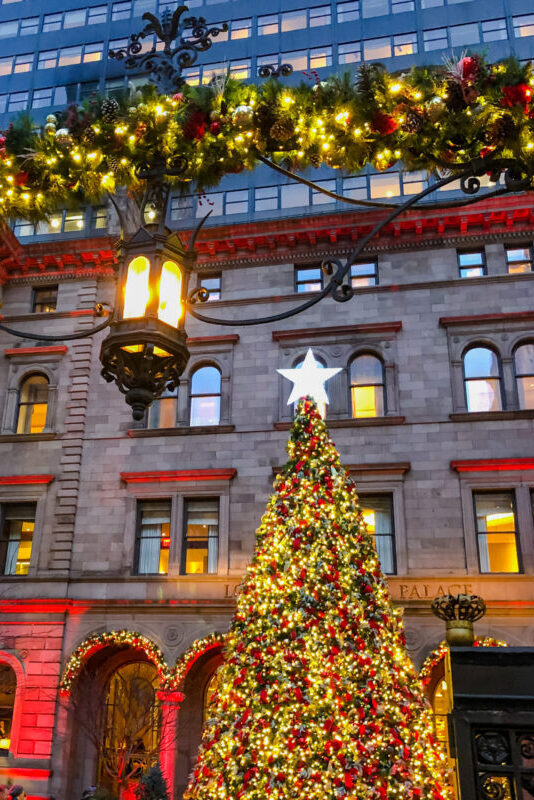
(492, 747)
(494, 788)
(183, 39)
(199, 295)
(275, 71)
(335, 269)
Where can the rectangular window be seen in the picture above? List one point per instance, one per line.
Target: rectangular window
(365, 273)
(153, 538)
(519, 259)
(374, 49)
(211, 202)
(377, 510)
(44, 299)
(10, 29)
(349, 53)
(241, 28)
(494, 30)
(87, 89)
(210, 71)
(23, 63)
(524, 25)
(121, 11)
(348, 12)
(374, 8)
(3, 102)
(294, 195)
(47, 59)
(405, 44)
(6, 65)
(385, 185)
(413, 182)
(266, 198)
(23, 228)
(68, 56)
(97, 15)
(140, 7)
(42, 98)
(29, 26)
(435, 39)
(320, 199)
(213, 284)
(192, 76)
(18, 523)
(356, 188)
(93, 52)
(18, 101)
(293, 20)
(268, 25)
(308, 279)
(100, 218)
(464, 34)
(472, 263)
(496, 531)
(74, 221)
(431, 3)
(236, 202)
(399, 6)
(201, 541)
(52, 22)
(297, 58)
(240, 70)
(320, 15)
(182, 207)
(320, 57)
(162, 412)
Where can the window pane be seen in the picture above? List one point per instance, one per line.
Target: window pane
(206, 396)
(240, 70)
(42, 98)
(308, 279)
(210, 202)
(29, 26)
(74, 19)
(524, 370)
(201, 536)
(294, 195)
(320, 16)
(268, 25)
(495, 520)
(162, 412)
(92, 52)
(18, 523)
(364, 274)
(355, 188)
(33, 400)
(266, 198)
(386, 185)
(23, 63)
(51, 22)
(374, 8)
(367, 387)
(293, 20)
(348, 12)
(9, 28)
(8, 684)
(213, 284)
(483, 395)
(519, 259)
(377, 513)
(47, 59)
(319, 199)
(97, 14)
(154, 538)
(405, 44)
(297, 58)
(377, 48)
(435, 39)
(464, 34)
(69, 56)
(481, 362)
(320, 57)
(494, 29)
(206, 380)
(18, 101)
(237, 202)
(349, 53)
(240, 29)
(524, 25)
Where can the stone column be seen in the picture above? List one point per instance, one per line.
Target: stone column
(170, 705)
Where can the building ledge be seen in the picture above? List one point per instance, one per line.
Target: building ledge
(172, 476)
(492, 416)
(350, 423)
(493, 465)
(144, 433)
(23, 480)
(27, 437)
(378, 468)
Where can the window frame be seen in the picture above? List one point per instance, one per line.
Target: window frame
(210, 277)
(392, 535)
(374, 274)
(183, 548)
(34, 298)
(297, 282)
(4, 540)
(468, 251)
(529, 260)
(192, 396)
(484, 346)
(520, 569)
(354, 358)
(20, 404)
(139, 538)
(517, 376)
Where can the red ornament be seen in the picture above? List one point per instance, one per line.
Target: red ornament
(21, 178)
(468, 69)
(215, 128)
(2, 141)
(195, 127)
(518, 95)
(178, 97)
(383, 123)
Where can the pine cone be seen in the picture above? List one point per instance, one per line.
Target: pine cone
(89, 135)
(114, 163)
(283, 129)
(502, 129)
(413, 122)
(264, 118)
(455, 97)
(314, 157)
(110, 109)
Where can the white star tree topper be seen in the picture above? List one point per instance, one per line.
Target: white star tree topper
(309, 379)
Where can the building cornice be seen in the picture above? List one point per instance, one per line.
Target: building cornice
(493, 465)
(25, 480)
(181, 475)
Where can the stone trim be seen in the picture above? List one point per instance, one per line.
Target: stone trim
(493, 465)
(22, 480)
(36, 351)
(336, 330)
(179, 475)
(492, 416)
(145, 433)
(364, 422)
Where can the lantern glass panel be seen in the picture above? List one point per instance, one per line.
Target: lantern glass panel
(137, 291)
(170, 289)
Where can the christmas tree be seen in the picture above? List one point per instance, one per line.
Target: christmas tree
(152, 786)
(317, 698)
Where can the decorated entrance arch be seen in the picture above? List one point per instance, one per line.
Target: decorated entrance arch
(465, 115)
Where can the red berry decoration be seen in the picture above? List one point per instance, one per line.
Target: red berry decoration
(383, 123)
(215, 128)
(195, 127)
(518, 95)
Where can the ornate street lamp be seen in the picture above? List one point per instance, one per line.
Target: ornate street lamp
(459, 612)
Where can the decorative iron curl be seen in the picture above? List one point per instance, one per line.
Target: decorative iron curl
(199, 295)
(470, 184)
(450, 607)
(490, 789)
(272, 71)
(340, 292)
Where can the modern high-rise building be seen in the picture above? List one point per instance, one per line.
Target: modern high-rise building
(124, 543)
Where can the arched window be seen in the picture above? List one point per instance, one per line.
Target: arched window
(32, 405)
(482, 380)
(8, 686)
(321, 406)
(131, 724)
(367, 387)
(206, 396)
(211, 687)
(524, 374)
(162, 412)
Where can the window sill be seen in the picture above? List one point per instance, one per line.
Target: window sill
(27, 437)
(364, 422)
(144, 433)
(490, 416)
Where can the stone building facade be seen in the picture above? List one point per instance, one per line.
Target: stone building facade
(447, 450)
